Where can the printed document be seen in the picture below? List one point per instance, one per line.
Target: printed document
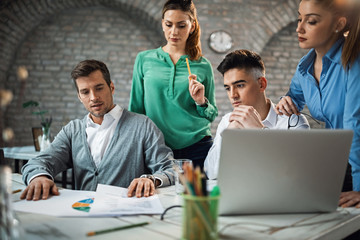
(106, 201)
(59, 206)
(113, 201)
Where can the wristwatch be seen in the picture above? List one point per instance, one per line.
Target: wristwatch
(149, 176)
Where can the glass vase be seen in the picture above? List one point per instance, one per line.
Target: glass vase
(10, 228)
(45, 139)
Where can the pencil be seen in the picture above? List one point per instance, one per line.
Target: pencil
(188, 66)
(116, 229)
(16, 191)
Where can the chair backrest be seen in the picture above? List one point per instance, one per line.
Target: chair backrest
(2, 158)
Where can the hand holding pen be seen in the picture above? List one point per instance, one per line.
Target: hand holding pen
(196, 89)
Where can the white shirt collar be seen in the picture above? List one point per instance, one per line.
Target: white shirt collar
(114, 114)
(271, 118)
(99, 136)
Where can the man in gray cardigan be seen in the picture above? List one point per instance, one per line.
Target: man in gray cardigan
(110, 145)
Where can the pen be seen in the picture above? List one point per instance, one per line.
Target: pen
(188, 66)
(204, 185)
(16, 191)
(116, 229)
(197, 181)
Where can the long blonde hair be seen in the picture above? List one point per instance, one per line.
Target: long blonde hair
(193, 44)
(351, 10)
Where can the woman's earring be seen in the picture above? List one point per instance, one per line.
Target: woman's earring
(336, 31)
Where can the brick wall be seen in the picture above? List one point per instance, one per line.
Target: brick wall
(50, 37)
(57, 45)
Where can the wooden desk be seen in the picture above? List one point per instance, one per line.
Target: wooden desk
(327, 226)
(25, 153)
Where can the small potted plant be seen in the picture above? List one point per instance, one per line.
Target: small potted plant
(45, 123)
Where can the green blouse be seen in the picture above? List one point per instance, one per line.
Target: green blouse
(160, 91)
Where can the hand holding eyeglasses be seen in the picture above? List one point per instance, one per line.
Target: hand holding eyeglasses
(286, 106)
(293, 120)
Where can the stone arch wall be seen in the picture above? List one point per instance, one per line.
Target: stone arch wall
(252, 25)
(19, 17)
(47, 37)
(54, 43)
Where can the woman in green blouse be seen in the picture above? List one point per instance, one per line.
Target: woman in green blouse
(182, 106)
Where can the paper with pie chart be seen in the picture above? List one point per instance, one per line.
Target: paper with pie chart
(69, 203)
(106, 201)
(83, 205)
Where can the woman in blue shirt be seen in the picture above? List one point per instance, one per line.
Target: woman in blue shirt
(327, 79)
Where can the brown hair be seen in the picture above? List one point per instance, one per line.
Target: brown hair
(193, 44)
(349, 9)
(86, 67)
(351, 48)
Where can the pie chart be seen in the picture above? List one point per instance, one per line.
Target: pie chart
(83, 205)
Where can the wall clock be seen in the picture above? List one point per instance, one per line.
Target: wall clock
(220, 41)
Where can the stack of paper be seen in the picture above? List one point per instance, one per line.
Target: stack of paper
(106, 201)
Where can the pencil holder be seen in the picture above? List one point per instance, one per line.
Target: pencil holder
(200, 217)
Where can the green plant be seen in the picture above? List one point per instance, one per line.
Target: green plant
(45, 122)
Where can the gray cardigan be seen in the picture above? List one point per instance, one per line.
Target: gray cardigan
(136, 148)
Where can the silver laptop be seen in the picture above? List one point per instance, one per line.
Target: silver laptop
(280, 171)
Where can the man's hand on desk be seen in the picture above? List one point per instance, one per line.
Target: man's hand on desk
(140, 185)
(39, 186)
(349, 199)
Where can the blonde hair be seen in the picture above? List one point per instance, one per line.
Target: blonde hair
(193, 44)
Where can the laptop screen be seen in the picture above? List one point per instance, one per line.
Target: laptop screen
(280, 171)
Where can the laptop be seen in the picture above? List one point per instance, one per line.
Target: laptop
(281, 171)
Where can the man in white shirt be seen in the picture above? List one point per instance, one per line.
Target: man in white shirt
(245, 83)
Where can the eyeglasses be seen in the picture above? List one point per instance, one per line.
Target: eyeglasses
(167, 209)
(290, 125)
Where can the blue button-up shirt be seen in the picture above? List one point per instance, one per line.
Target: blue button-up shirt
(335, 100)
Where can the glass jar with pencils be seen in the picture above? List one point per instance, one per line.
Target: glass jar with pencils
(200, 209)
(200, 216)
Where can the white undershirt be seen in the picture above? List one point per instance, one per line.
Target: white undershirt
(99, 136)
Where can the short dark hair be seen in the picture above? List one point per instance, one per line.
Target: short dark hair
(86, 67)
(243, 59)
